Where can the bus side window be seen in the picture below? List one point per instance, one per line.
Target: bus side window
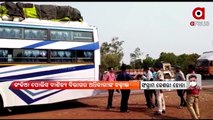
(85, 56)
(62, 56)
(59, 35)
(82, 36)
(5, 55)
(1, 32)
(6, 33)
(10, 32)
(35, 34)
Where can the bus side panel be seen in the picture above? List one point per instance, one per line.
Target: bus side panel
(97, 55)
(71, 72)
(34, 71)
(70, 94)
(97, 60)
(8, 96)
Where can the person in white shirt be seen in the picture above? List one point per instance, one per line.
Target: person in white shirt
(179, 76)
(160, 97)
(148, 95)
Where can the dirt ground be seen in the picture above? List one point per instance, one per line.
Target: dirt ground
(95, 108)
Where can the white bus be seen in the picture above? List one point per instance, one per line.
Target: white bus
(45, 50)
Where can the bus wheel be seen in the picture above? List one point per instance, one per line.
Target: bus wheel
(2, 109)
(9, 110)
(1, 105)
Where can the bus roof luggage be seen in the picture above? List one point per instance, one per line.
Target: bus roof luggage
(44, 12)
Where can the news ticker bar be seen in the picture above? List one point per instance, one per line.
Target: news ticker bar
(104, 85)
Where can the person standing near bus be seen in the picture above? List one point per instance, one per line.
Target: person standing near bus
(193, 91)
(154, 75)
(179, 76)
(193, 97)
(160, 97)
(124, 76)
(148, 93)
(110, 76)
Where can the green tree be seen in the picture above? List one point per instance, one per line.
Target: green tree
(148, 61)
(168, 57)
(138, 53)
(184, 60)
(137, 64)
(110, 60)
(111, 53)
(136, 61)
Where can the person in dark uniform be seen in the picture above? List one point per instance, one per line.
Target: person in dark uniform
(124, 76)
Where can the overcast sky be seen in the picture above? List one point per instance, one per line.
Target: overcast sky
(154, 27)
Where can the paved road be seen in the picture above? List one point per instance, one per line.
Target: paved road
(207, 82)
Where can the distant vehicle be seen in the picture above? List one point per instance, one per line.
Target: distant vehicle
(168, 71)
(204, 65)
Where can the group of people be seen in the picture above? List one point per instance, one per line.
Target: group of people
(156, 74)
(122, 76)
